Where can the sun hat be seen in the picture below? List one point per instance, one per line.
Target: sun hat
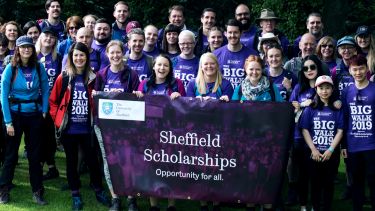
(267, 14)
(268, 36)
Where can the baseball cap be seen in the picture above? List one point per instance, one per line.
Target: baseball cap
(132, 25)
(24, 40)
(50, 30)
(362, 30)
(323, 79)
(347, 40)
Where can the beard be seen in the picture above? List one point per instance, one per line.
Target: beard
(246, 26)
(104, 40)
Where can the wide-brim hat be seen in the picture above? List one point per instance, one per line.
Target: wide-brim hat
(267, 14)
(268, 36)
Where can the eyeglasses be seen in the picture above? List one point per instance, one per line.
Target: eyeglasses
(73, 27)
(307, 68)
(329, 46)
(346, 48)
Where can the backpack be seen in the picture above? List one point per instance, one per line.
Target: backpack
(65, 83)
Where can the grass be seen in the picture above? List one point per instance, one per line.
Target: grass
(21, 199)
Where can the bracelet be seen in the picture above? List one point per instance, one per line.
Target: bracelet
(331, 149)
(9, 125)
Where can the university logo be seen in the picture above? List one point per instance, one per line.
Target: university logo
(107, 108)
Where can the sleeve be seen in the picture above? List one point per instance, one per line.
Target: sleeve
(53, 98)
(287, 66)
(236, 95)
(190, 89)
(104, 61)
(64, 60)
(5, 89)
(180, 87)
(305, 120)
(141, 86)
(44, 88)
(278, 97)
(294, 95)
(340, 119)
(227, 89)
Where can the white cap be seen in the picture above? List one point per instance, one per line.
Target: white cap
(323, 79)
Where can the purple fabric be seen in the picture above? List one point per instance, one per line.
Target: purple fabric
(140, 66)
(247, 37)
(53, 68)
(322, 125)
(279, 79)
(358, 107)
(79, 115)
(154, 53)
(113, 83)
(225, 89)
(232, 63)
(129, 84)
(185, 69)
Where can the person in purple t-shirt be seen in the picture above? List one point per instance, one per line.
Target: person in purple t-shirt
(12, 31)
(322, 128)
(301, 97)
(151, 38)
(208, 20)
(326, 51)
(215, 39)
(185, 65)
(53, 9)
(209, 82)
(98, 60)
(102, 34)
(136, 59)
(358, 102)
(169, 42)
(161, 81)
(283, 79)
(243, 15)
(232, 56)
(117, 77)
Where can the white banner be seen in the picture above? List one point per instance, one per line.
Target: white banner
(121, 110)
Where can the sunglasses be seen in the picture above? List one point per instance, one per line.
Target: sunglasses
(73, 27)
(329, 46)
(307, 68)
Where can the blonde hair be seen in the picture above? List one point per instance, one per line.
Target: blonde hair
(38, 46)
(200, 80)
(371, 54)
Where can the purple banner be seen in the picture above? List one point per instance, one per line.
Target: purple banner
(188, 149)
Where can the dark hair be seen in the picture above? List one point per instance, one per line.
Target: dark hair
(4, 42)
(318, 103)
(208, 10)
(233, 22)
(170, 80)
(276, 46)
(302, 80)
(16, 60)
(358, 60)
(169, 28)
(313, 14)
(103, 20)
(29, 25)
(49, 2)
(70, 67)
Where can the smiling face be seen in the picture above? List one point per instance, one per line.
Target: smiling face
(209, 66)
(26, 51)
(324, 91)
(11, 32)
(347, 51)
(274, 58)
(327, 50)
(151, 35)
(307, 45)
(172, 37)
(315, 25)
(310, 70)
(48, 40)
(215, 39)
(33, 32)
(233, 35)
(359, 72)
(54, 10)
(177, 18)
(254, 72)
(267, 25)
(186, 44)
(102, 31)
(136, 43)
(363, 41)
(89, 22)
(208, 20)
(115, 55)
(161, 68)
(79, 59)
(85, 36)
(121, 13)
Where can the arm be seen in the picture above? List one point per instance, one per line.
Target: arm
(5, 90)
(55, 94)
(190, 92)
(336, 140)
(44, 88)
(315, 154)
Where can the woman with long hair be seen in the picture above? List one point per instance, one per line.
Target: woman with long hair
(117, 77)
(366, 41)
(169, 44)
(73, 23)
(71, 108)
(12, 31)
(32, 29)
(46, 49)
(24, 103)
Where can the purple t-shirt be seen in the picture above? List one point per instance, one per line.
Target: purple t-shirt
(79, 116)
(278, 80)
(232, 63)
(113, 83)
(343, 77)
(247, 37)
(95, 64)
(52, 68)
(307, 94)
(99, 47)
(185, 69)
(140, 66)
(225, 89)
(158, 89)
(358, 108)
(322, 125)
(154, 53)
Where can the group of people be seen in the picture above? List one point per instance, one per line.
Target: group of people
(50, 74)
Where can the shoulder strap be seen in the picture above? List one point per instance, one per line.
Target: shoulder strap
(272, 91)
(149, 60)
(65, 81)
(145, 87)
(98, 58)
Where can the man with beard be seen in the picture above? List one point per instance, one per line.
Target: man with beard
(102, 35)
(151, 36)
(315, 27)
(231, 57)
(97, 59)
(208, 20)
(136, 59)
(242, 14)
(121, 13)
(53, 9)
